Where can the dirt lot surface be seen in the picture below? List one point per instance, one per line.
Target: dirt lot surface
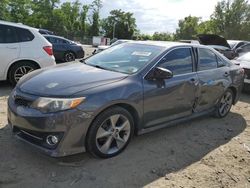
(206, 152)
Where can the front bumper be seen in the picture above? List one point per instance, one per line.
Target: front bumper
(33, 127)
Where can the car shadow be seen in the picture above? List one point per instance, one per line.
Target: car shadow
(156, 154)
(147, 158)
(245, 96)
(5, 89)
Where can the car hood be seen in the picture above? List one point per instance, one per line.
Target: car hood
(209, 39)
(66, 80)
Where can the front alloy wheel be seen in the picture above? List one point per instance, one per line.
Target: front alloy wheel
(110, 132)
(225, 104)
(21, 71)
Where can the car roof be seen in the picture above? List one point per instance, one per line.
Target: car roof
(54, 36)
(168, 44)
(237, 41)
(20, 25)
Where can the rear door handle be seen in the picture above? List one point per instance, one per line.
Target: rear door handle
(226, 74)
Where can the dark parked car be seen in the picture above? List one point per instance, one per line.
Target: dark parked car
(218, 43)
(235, 44)
(65, 50)
(131, 88)
(45, 32)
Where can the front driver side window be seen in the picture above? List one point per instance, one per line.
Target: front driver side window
(179, 61)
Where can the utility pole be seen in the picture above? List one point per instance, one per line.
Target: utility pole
(114, 30)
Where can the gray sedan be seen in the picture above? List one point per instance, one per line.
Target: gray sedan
(132, 88)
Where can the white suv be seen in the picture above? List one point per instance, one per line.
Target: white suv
(22, 50)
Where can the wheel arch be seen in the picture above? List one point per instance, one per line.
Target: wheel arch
(19, 61)
(235, 93)
(130, 108)
(70, 51)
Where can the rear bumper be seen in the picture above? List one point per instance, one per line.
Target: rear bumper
(46, 61)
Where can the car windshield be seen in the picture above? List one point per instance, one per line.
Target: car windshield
(127, 58)
(245, 57)
(118, 42)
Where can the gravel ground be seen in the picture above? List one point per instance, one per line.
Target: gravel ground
(205, 152)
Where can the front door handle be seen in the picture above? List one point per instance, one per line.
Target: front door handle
(12, 47)
(192, 80)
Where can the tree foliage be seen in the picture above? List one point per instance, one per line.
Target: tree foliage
(188, 28)
(120, 24)
(231, 19)
(162, 36)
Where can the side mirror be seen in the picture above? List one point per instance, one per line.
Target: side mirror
(159, 73)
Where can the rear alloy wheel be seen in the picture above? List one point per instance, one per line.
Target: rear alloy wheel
(110, 133)
(69, 56)
(225, 104)
(19, 70)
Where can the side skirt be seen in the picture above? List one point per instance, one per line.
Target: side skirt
(175, 122)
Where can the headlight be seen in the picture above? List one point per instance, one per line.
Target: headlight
(47, 105)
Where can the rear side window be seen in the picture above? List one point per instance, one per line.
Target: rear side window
(8, 34)
(61, 41)
(239, 45)
(24, 35)
(207, 59)
(179, 61)
(246, 47)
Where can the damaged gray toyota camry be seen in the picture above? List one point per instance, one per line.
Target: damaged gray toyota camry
(97, 105)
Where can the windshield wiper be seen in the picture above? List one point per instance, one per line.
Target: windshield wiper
(98, 66)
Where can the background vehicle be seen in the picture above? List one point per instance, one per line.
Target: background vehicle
(244, 62)
(235, 44)
(218, 43)
(135, 87)
(101, 48)
(22, 50)
(243, 49)
(65, 50)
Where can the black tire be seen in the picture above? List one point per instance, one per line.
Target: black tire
(227, 106)
(92, 142)
(69, 56)
(18, 68)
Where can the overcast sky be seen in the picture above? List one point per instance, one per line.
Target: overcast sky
(159, 15)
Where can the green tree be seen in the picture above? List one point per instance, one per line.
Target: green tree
(19, 10)
(207, 27)
(162, 36)
(42, 13)
(83, 20)
(232, 18)
(4, 11)
(120, 24)
(188, 28)
(95, 27)
(143, 37)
